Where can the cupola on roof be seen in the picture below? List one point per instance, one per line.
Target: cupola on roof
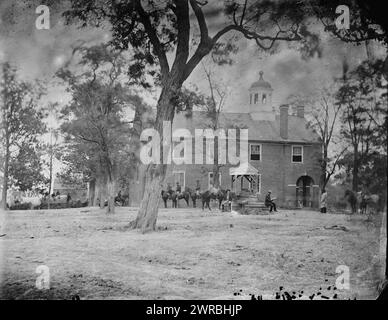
(261, 83)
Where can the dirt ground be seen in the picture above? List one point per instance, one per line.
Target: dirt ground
(194, 255)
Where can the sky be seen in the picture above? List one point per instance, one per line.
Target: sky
(39, 53)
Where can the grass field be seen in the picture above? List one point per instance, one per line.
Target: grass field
(193, 255)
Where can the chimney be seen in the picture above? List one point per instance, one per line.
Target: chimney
(300, 111)
(284, 121)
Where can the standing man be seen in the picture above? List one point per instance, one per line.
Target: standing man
(198, 189)
(323, 201)
(269, 202)
(68, 198)
(227, 201)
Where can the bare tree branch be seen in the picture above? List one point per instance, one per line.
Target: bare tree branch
(159, 51)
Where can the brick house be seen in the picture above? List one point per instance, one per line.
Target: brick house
(281, 147)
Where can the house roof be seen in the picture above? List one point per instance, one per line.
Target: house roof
(258, 130)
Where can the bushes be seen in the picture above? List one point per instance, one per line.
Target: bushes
(21, 206)
(53, 205)
(63, 205)
(78, 204)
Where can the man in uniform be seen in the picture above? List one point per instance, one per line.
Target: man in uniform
(228, 200)
(169, 189)
(269, 202)
(178, 188)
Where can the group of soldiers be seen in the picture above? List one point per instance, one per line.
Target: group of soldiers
(178, 189)
(269, 200)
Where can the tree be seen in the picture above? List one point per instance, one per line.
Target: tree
(357, 97)
(368, 22)
(81, 166)
(52, 148)
(25, 169)
(323, 117)
(153, 30)
(21, 121)
(214, 105)
(95, 118)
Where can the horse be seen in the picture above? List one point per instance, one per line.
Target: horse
(205, 197)
(175, 197)
(361, 201)
(209, 195)
(372, 201)
(351, 197)
(165, 196)
(121, 200)
(125, 198)
(194, 195)
(222, 196)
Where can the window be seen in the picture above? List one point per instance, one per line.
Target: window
(256, 97)
(297, 154)
(179, 176)
(210, 180)
(255, 152)
(264, 98)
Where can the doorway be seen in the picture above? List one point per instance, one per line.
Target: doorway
(304, 192)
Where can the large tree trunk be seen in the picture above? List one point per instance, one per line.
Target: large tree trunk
(97, 194)
(216, 167)
(92, 192)
(51, 175)
(155, 173)
(5, 175)
(324, 179)
(111, 196)
(101, 193)
(355, 170)
(136, 186)
(148, 212)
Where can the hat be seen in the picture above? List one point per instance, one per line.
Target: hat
(269, 191)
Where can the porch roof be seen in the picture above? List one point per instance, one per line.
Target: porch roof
(244, 169)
